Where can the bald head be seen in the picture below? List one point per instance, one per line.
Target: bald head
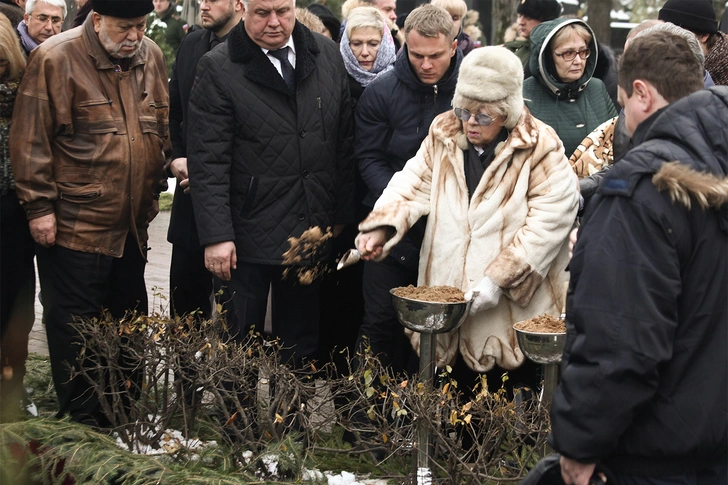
(644, 25)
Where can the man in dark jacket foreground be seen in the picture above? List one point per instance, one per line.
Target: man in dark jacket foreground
(393, 117)
(645, 369)
(269, 155)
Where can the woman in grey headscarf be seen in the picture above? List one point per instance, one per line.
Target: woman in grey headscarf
(367, 48)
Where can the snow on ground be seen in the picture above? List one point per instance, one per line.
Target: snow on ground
(173, 441)
(170, 442)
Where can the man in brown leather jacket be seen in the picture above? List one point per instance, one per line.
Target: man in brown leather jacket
(89, 131)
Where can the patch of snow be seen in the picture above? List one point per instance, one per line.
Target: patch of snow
(171, 442)
(346, 478)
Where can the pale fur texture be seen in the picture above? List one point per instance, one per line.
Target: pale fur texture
(491, 74)
(513, 230)
(684, 184)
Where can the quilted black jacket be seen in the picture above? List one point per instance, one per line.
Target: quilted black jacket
(266, 164)
(645, 369)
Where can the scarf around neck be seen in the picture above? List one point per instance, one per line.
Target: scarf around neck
(383, 62)
(28, 43)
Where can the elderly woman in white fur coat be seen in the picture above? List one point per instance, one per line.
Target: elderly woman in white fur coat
(501, 200)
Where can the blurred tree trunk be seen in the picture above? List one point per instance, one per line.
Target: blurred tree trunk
(504, 14)
(598, 12)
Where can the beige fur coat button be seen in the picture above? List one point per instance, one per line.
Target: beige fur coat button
(514, 230)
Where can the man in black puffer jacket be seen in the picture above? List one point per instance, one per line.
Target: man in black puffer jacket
(393, 117)
(645, 368)
(270, 156)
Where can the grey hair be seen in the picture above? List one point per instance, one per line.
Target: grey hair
(693, 41)
(30, 6)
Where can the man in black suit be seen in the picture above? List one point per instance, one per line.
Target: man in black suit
(190, 282)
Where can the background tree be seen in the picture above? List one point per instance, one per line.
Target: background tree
(599, 19)
(504, 14)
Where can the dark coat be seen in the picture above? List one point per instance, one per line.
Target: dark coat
(182, 227)
(645, 368)
(572, 109)
(393, 117)
(606, 72)
(266, 164)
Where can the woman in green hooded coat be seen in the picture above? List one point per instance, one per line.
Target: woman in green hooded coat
(562, 92)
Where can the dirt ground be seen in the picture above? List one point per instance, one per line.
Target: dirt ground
(157, 279)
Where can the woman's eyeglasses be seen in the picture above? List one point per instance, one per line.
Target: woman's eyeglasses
(570, 55)
(481, 118)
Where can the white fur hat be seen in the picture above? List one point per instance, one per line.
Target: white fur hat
(491, 74)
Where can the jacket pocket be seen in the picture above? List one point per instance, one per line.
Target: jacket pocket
(79, 186)
(249, 197)
(154, 118)
(95, 117)
(321, 114)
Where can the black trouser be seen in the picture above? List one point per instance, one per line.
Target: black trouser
(190, 282)
(17, 300)
(78, 284)
(295, 308)
(191, 290)
(385, 334)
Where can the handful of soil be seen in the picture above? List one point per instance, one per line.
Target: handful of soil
(542, 324)
(307, 247)
(434, 294)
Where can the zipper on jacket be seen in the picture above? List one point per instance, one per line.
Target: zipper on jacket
(434, 106)
(321, 112)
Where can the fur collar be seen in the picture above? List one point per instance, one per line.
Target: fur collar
(684, 183)
(244, 51)
(523, 136)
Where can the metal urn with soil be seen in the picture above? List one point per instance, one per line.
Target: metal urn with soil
(428, 310)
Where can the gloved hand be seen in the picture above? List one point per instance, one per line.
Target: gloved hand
(485, 295)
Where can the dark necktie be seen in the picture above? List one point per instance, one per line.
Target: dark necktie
(286, 67)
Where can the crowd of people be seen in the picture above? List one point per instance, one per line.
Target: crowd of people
(442, 161)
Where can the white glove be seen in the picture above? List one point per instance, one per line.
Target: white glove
(485, 295)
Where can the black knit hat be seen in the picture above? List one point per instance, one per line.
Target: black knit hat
(542, 10)
(332, 24)
(693, 15)
(124, 9)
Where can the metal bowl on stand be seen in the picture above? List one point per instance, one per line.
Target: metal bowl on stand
(542, 348)
(429, 317)
(546, 349)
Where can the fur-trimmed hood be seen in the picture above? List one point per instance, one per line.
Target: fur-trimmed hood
(685, 151)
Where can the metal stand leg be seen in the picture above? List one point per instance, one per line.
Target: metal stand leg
(424, 443)
(550, 379)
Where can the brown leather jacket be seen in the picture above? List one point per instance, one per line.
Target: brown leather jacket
(87, 140)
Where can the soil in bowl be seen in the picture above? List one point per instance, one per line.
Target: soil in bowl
(433, 294)
(542, 324)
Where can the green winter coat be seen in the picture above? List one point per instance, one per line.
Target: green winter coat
(522, 49)
(573, 110)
